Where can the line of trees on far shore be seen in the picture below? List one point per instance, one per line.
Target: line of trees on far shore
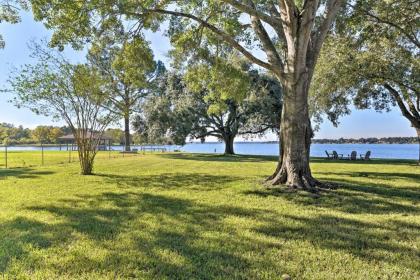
(14, 135)
(370, 140)
(18, 135)
(48, 134)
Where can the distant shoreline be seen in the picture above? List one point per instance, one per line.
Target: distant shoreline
(386, 140)
(326, 143)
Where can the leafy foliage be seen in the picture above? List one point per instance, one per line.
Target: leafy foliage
(116, 134)
(373, 59)
(73, 93)
(221, 82)
(127, 69)
(46, 134)
(184, 108)
(20, 135)
(289, 34)
(14, 134)
(9, 12)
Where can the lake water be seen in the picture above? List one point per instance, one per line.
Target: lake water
(389, 151)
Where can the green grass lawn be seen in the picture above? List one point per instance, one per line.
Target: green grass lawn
(183, 216)
(34, 158)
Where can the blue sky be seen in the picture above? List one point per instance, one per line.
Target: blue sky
(365, 123)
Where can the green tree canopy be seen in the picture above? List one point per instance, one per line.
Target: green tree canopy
(372, 60)
(9, 12)
(46, 134)
(13, 134)
(73, 93)
(289, 33)
(128, 69)
(195, 106)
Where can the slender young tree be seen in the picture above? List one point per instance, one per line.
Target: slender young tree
(289, 32)
(73, 93)
(127, 68)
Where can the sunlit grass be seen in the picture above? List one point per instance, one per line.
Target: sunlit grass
(184, 216)
(36, 158)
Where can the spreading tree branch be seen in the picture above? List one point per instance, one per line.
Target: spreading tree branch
(406, 113)
(318, 37)
(223, 35)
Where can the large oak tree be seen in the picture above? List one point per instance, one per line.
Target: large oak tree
(245, 103)
(290, 33)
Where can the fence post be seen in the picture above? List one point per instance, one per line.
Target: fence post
(42, 153)
(109, 149)
(69, 152)
(5, 149)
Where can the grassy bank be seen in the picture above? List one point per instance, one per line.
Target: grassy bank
(183, 216)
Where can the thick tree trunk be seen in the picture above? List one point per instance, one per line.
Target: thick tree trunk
(86, 166)
(293, 167)
(86, 160)
(229, 145)
(127, 137)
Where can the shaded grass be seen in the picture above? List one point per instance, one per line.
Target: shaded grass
(218, 157)
(184, 216)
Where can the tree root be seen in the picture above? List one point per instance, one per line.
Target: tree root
(297, 181)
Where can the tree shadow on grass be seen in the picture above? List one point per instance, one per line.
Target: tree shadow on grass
(149, 235)
(146, 235)
(369, 241)
(218, 157)
(169, 237)
(17, 236)
(354, 197)
(192, 181)
(24, 173)
(357, 195)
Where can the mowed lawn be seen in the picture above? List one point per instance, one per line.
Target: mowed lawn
(184, 216)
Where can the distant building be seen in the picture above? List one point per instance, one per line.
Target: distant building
(69, 141)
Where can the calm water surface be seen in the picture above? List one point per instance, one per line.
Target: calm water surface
(390, 151)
